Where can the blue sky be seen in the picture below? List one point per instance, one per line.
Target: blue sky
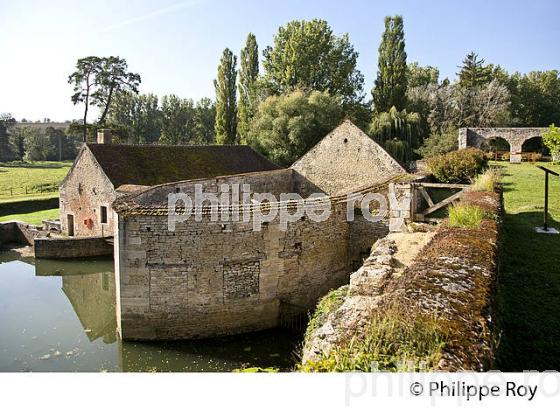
(176, 45)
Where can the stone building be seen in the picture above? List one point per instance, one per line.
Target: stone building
(103, 172)
(216, 276)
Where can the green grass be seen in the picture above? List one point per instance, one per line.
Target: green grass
(465, 216)
(34, 218)
(23, 180)
(394, 340)
(528, 289)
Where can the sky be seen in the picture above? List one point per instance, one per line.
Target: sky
(176, 45)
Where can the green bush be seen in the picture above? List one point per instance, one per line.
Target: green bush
(439, 143)
(465, 216)
(458, 166)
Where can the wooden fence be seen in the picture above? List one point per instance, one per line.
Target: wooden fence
(6, 192)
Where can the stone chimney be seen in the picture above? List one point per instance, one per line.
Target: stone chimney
(104, 136)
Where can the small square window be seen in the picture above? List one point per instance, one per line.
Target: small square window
(103, 215)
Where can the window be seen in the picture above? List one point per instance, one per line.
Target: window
(103, 214)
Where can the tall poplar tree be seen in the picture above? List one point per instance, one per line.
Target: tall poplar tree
(226, 101)
(391, 83)
(248, 75)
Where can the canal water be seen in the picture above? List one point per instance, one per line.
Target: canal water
(60, 316)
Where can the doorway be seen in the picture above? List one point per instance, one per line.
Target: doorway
(70, 225)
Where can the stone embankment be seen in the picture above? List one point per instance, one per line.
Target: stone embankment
(451, 279)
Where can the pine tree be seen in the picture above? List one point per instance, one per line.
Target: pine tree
(473, 71)
(248, 76)
(226, 103)
(391, 83)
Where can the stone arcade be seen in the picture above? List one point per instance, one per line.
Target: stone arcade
(515, 137)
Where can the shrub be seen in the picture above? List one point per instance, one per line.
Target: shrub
(551, 139)
(439, 143)
(505, 156)
(487, 181)
(465, 216)
(458, 166)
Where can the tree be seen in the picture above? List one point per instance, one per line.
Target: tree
(285, 127)
(177, 120)
(17, 140)
(307, 55)
(482, 106)
(204, 121)
(113, 78)
(397, 131)
(6, 122)
(391, 83)
(439, 143)
(248, 75)
(97, 80)
(84, 81)
(473, 72)
(418, 76)
(137, 117)
(535, 98)
(38, 146)
(226, 100)
(57, 140)
(551, 139)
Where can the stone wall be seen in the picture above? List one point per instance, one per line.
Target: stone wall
(347, 159)
(82, 193)
(61, 248)
(18, 232)
(210, 278)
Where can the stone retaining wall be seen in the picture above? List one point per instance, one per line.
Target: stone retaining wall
(75, 247)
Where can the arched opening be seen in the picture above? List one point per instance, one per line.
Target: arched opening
(498, 148)
(534, 150)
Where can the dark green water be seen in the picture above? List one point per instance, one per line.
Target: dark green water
(60, 316)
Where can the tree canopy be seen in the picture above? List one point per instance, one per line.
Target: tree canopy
(226, 99)
(307, 55)
(287, 126)
(391, 83)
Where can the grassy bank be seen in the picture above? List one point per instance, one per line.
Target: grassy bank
(29, 190)
(20, 181)
(528, 293)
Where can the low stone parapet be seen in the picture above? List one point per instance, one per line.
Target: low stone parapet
(62, 248)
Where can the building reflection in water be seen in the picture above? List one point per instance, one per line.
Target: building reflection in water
(90, 288)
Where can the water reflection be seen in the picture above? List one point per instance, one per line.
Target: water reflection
(60, 316)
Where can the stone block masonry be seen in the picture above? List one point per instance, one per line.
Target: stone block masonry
(203, 280)
(62, 248)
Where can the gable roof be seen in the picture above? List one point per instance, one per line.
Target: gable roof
(159, 164)
(345, 159)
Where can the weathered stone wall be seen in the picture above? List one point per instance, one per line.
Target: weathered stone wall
(18, 232)
(211, 278)
(347, 159)
(83, 193)
(61, 248)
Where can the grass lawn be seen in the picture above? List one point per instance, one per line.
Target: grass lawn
(34, 218)
(528, 289)
(21, 181)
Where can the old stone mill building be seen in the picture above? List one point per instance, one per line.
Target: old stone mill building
(209, 277)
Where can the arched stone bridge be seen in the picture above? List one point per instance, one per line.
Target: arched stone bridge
(475, 137)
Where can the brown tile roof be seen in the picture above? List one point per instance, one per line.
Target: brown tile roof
(159, 164)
